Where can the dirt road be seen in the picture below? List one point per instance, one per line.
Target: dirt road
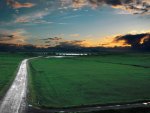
(14, 100)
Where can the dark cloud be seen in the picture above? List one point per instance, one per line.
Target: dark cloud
(47, 41)
(55, 38)
(4, 37)
(136, 41)
(74, 43)
(52, 40)
(110, 2)
(134, 6)
(60, 42)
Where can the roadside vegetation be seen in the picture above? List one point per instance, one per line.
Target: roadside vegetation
(9, 64)
(89, 80)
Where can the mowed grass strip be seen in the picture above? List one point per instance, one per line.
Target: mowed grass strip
(67, 82)
(8, 68)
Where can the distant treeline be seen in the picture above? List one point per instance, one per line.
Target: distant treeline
(32, 48)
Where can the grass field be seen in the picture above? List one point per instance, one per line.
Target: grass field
(77, 81)
(8, 68)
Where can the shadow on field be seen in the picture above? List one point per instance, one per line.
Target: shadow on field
(131, 110)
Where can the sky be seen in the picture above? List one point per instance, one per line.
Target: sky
(47, 23)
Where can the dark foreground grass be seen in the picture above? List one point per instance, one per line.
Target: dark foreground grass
(8, 68)
(77, 81)
(131, 110)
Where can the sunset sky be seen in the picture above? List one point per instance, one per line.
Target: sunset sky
(90, 22)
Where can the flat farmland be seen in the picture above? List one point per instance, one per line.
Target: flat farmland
(90, 80)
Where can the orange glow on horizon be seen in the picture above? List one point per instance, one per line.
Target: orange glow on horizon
(109, 41)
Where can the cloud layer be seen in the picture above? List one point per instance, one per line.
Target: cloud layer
(133, 6)
(13, 37)
(36, 17)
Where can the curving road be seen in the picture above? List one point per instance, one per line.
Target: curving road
(14, 101)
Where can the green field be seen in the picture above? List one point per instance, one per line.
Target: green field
(8, 68)
(77, 81)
